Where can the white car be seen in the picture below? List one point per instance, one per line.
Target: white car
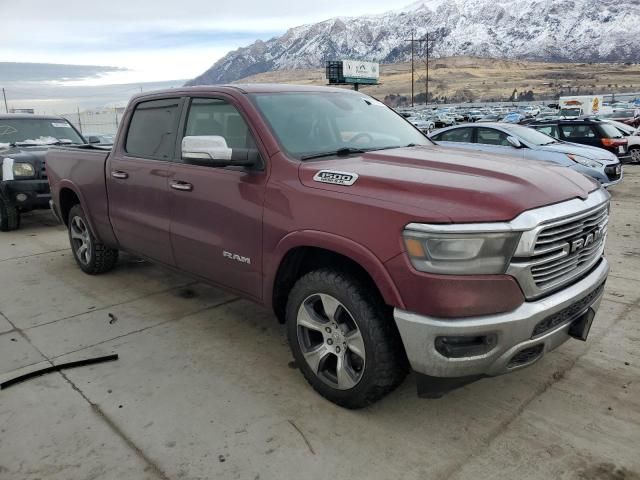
(633, 138)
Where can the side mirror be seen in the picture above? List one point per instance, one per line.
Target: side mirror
(212, 151)
(514, 142)
(93, 140)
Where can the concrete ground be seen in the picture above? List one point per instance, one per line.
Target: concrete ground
(204, 387)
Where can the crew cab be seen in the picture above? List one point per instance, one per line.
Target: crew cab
(24, 141)
(379, 250)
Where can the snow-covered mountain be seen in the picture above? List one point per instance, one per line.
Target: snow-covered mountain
(550, 30)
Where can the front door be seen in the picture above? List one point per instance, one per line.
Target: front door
(137, 180)
(216, 213)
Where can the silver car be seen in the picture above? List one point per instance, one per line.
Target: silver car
(529, 144)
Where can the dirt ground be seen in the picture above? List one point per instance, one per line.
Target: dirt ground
(204, 387)
(482, 79)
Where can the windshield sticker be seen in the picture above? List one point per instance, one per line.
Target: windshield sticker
(60, 125)
(335, 177)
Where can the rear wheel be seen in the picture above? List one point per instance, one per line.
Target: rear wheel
(9, 215)
(343, 339)
(91, 255)
(635, 154)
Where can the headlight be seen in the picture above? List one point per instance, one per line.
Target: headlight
(461, 253)
(23, 170)
(587, 162)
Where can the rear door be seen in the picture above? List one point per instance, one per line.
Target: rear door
(137, 180)
(456, 137)
(216, 213)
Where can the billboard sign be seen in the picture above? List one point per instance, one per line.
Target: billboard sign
(360, 70)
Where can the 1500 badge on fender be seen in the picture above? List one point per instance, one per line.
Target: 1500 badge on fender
(335, 177)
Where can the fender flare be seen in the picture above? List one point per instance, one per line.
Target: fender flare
(338, 244)
(68, 184)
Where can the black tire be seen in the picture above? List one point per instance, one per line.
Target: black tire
(635, 154)
(386, 364)
(9, 215)
(98, 258)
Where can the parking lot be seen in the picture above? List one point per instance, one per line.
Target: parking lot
(205, 386)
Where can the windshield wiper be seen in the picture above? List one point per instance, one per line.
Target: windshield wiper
(341, 152)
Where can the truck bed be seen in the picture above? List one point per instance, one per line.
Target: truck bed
(81, 168)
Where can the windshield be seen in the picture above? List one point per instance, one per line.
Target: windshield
(308, 124)
(37, 131)
(531, 136)
(570, 112)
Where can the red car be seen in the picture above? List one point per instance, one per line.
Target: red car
(379, 250)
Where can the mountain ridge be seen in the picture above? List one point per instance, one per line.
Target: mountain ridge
(545, 30)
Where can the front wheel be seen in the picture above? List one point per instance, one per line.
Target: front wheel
(91, 255)
(343, 338)
(635, 154)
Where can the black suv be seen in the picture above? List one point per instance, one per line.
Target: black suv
(24, 140)
(587, 131)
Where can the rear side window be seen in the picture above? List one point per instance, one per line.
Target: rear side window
(489, 136)
(463, 135)
(152, 131)
(609, 131)
(551, 130)
(578, 131)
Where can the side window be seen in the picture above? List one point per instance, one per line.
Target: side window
(489, 136)
(208, 116)
(463, 135)
(578, 131)
(153, 129)
(551, 130)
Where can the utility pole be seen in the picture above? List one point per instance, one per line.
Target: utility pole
(413, 40)
(6, 107)
(79, 121)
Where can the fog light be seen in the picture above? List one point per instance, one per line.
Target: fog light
(465, 346)
(21, 197)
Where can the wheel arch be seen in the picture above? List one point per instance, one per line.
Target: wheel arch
(300, 252)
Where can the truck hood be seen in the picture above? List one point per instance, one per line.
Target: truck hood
(593, 153)
(447, 185)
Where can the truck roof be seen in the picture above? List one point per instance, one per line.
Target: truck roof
(244, 88)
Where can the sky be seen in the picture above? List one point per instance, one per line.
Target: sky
(151, 40)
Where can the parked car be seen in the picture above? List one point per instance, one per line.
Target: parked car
(587, 131)
(628, 116)
(24, 140)
(633, 138)
(529, 144)
(492, 117)
(376, 248)
(513, 117)
(425, 126)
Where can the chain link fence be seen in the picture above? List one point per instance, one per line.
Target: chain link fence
(97, 121)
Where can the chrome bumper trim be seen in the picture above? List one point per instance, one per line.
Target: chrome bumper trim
(513, 329)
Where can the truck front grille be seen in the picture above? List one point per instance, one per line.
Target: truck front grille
(43, 171)
(563, 251)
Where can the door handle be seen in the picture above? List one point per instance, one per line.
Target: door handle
(182, 186)
(119, 175)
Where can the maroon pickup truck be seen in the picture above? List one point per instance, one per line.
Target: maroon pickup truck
(380, 251)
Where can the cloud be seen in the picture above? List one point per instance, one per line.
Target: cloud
(50, 72)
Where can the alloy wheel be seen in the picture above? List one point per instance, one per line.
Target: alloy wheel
(80, 239)
(331, 342)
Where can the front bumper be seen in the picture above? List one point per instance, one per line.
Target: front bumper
(27, 194)
(512, 333)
